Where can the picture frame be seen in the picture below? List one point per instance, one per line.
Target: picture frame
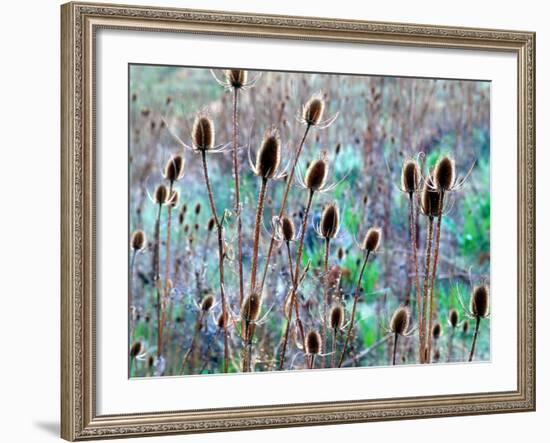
(80, 23)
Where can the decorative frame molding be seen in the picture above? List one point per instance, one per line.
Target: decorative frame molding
(79, 21)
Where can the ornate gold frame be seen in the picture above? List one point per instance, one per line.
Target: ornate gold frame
(79, 420)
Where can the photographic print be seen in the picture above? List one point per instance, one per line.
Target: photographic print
(283, 221)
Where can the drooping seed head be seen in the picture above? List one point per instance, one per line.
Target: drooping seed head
(161, 194)
(316, 174)
(136, 349)
(203, 133)
(400, 321)
(250, 309)
(479, 302)
(313, 110)
(445, 173)
(410, 176)
(453, 318)
(173, 170)
(330, 221)
(207, 302)
(372, 239)
(138, 240)
(287, 228)
(313, 343)
(268, 156)
(336, 316)
(430, 199)
(236, 77)
(436, 331)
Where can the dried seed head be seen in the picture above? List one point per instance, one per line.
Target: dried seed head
(236, 77)
(222, 320)
(341, 253)
(313, 343)
(444, 173)
(479, 303)
(210, 225)
(197, 209)
(181, 215)
(287, 229)
(453, 318)
(336, 316)
(139, 240)
(437, 355)
(268, 157)
(316, 174)
(203, 133)
(207, 302)
(410, 176)
(371, 242)
(173, 170)
(161, 194)
(436, 331)
(330, 221)
(400, 321)
(174, 198)
(250, 309)
(313, 110)
(136, 349)
(465, 327)
(429, 200)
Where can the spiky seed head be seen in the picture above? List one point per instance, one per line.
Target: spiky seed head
(197, 209)
(207, 302)
(410, 176)
(313, 343)
(316, 174)
(341, 253)
(236, 77)
(250, 309)
(330, 221)
(429, 199)
(287, 228)
(203, 133)
(436, 331)
(453, 318)
(210, 225)
(174, 199)
(336, 316)
(173, 170)
(136, 349)
(372, 239)
(444, 173)
(161, 194)
(222, 320)
(400, 321)
(313, 110)
(479, 303)
(139, 240)
(465, 327)
(268, 156)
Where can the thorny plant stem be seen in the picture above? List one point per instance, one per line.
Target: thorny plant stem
(434, 270)
(394, 348)
(237, 194)
(289, 182)
(417, 279)
(167, 260)
(476, 330)
(220, 257)
(426, 357)
(325, 303)
(156, 253)
(353, 309)
(259, 213)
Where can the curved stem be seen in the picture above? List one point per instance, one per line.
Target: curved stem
(473, 349)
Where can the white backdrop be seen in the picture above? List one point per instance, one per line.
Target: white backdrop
(29, 175)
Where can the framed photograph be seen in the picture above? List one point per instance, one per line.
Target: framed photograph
(277, 221)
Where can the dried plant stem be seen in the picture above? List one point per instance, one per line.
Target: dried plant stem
(221, 258)
(427, 261)
(325, 302)
(311, 361)
(156, 254)
(256, 243)
(395, 348)
(473, 349)
(434, 270)
(289, 182)
(353, 309)
(237, 194)
(131, 294)
(333, 353)
(414, 248)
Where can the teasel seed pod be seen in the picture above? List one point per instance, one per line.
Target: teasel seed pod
(197, 209)
(453, 318)
(139, 240)
(268, 157)
(410, 176)
(221, 322)
(174, 199)
(336, 316)
(479, 303)
(465, 327)
(136, 349)
(436, 331)
(445, 173)
(313, 343)
(330, 221)
(210, 225)
(429, 199)
(341, 253)
(287, 228)
(313, 110)
(237, 78)
(399, 322)
(173, 170)
(181, 215)
(161, 194)
(316, 174)
(250, 308)
(372, 239)
(207, 302)
(203, 133)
